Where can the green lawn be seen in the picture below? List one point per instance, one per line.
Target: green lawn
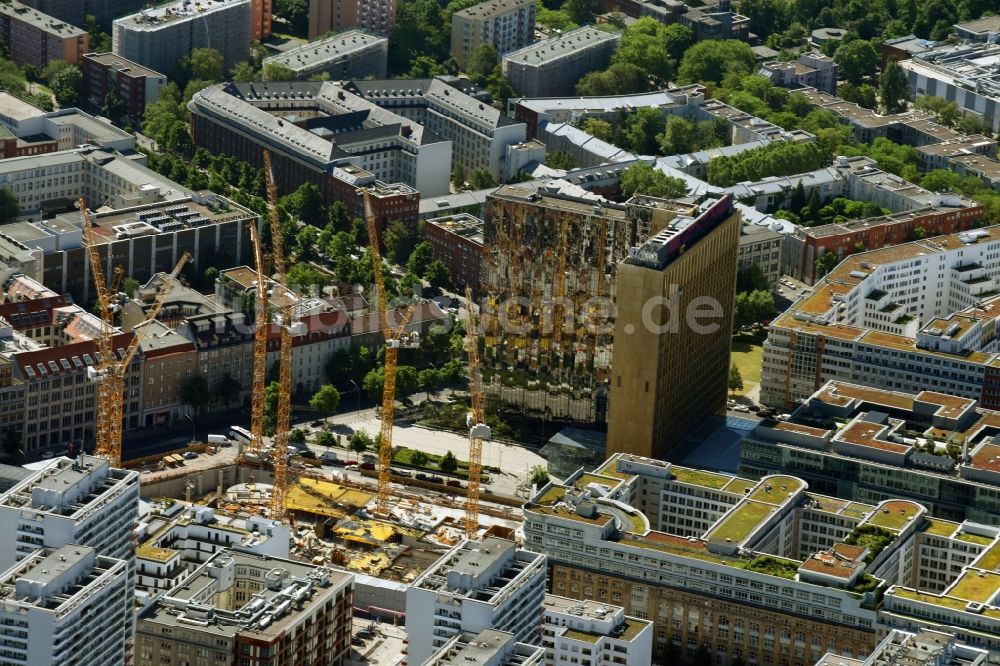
(748, 352)
(742, 521)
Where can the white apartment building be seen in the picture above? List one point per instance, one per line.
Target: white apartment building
(554, 66)
(353, 54)
(487, 648)
(505, 25)
(907, 317)
(68, 128)
(593, 634)
(477, 585)
(65, 606)
(927, 647)
(456, 111)
(158, 38)
(80, 501)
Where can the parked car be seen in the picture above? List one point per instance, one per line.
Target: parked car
(190, 455)
(308, 454)
(435, 479)
(421, 476)
(367, 465)
(753, 408)
(360, 642)
(741, 408)
(455, 483)
(365, 633)
(402, 472)
(318, 423)
(335, 463)
(350, 463)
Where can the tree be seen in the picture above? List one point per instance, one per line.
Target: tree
(752, 279)
(420, 258)
(195, 392)
(244, 72)
(482, 63)
(437, 275)
(448, 463)
(399, 240)
(458, 176)
(825, 263)
(641, 130)
(295, 13)
(360, 442)
(67, 84)
(419, 459)
(10, 207)
(113, 107)
(767, 17)
(919, 233)
(618, 79)
(327, 399)
(324, 438)
(177, 139)
(560, 159)
(710, 61)
(406, 380)
(130, 285)
(206, 65)
(228, 390)
(892, 85)
(777, 159)
(297, 436)
(305, 204)
(582, 11)
(99, 41)
(642, 178)
(644, 45)
(857, 60)
(538, 476)
(277, 71)
(679, 137)
(482, 179)
(735, 379)
(945, 110)
(428, 379)
(600, 129)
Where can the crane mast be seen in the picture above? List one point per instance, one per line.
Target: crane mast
(479, 432)
(259, 349)
(109, 371)
(391, 357)
(285, 323)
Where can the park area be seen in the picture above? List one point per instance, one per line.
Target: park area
(748, 351)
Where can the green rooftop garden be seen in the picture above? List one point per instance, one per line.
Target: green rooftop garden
(894, 515)
(941, 528)
(857, 510)
(638, 524)
(553, 494)
(741, 521)
(949, 602)
(976, 586)
(773, 566)
(991, 560)
(975, 538)
(872, 537)
(609, 469)
(583, 636)
(776, 489)
(700, 478)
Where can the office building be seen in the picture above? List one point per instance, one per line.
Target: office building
(594, 633)
(760, 246)
(477, 585)
(241, 606)
(506, 25)
(658, 396)
(353, 54)
(343, 143)
(754, 572)
(486, 648)
(159, 38)
(81, 501)
(36, 39)
(375, 16)
(812, 69)
(36, 132)
(985, 29)
(76, 12)
(964, 73)
(870, 444)
(136, 85)
(65, 606)
(713, 20)
(925, 646)
(458, 243)
(553, 66)
(456, 110)
(174, 539)
(169, 360)
(907, 318)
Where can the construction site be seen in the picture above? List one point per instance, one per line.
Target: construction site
(549, 277)
(263, 498)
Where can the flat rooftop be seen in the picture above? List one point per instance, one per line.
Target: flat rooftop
(118, 63)
(493, 8)
(552, 50)
(43, 22)
(16, 108)
(323, 51)
(184, 10)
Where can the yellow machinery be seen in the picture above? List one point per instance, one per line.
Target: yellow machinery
(259, 350)
(479, 432)
(112, 364)
(286, 325)
(391, 356)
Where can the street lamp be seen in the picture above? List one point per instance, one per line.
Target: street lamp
(357, 391)
(194, 434)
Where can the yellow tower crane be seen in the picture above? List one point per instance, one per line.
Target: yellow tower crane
(391, 356)
(479, 432)
(259, 350)
(112, 364)
(288, 327)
